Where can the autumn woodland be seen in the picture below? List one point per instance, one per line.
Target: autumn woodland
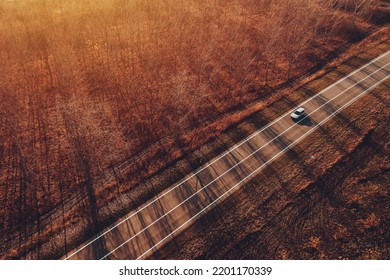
(98, 96)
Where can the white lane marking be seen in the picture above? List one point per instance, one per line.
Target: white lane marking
(217, 178)
(194, 194)
(277, 155)
(224, 154)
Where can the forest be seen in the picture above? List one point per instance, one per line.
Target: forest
(98, 96)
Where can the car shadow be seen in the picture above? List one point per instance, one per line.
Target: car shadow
(305, 121)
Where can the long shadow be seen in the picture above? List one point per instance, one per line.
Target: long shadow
(330, 108)
(379, 98)
(210, 194)
(323, 103)
(280, 228)
(216, 211)
(306, 201)
(316, 196)
(298, 159)
(193, 205)
(282, 143)
(146, 232)
(356, 80)
(99, 248)
(326, 105)
(261, 159)
(165, 224)
(237, 160)
(306, 121)
(340, 116)
(278, 139)
(130, 248)
(305, 204)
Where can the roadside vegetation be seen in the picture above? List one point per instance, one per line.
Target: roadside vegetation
(97, 97)
(328, 199)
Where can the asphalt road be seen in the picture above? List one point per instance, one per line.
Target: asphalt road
(156, 222)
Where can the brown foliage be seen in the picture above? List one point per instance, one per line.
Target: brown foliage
(87, 86)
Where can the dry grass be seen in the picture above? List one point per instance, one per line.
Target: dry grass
(329, 201)
(98, 97)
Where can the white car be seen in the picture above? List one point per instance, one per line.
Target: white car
(298, 114)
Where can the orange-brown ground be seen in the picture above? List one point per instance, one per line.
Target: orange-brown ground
(330, 202)
(102, 107)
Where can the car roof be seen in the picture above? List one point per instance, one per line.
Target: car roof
(300, 109)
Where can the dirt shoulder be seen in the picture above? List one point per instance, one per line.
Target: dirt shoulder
(330, 202)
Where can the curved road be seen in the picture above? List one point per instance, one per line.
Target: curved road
(156, 222)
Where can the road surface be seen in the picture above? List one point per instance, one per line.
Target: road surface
(156, 222)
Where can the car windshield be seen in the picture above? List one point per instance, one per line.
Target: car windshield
(297, 112)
